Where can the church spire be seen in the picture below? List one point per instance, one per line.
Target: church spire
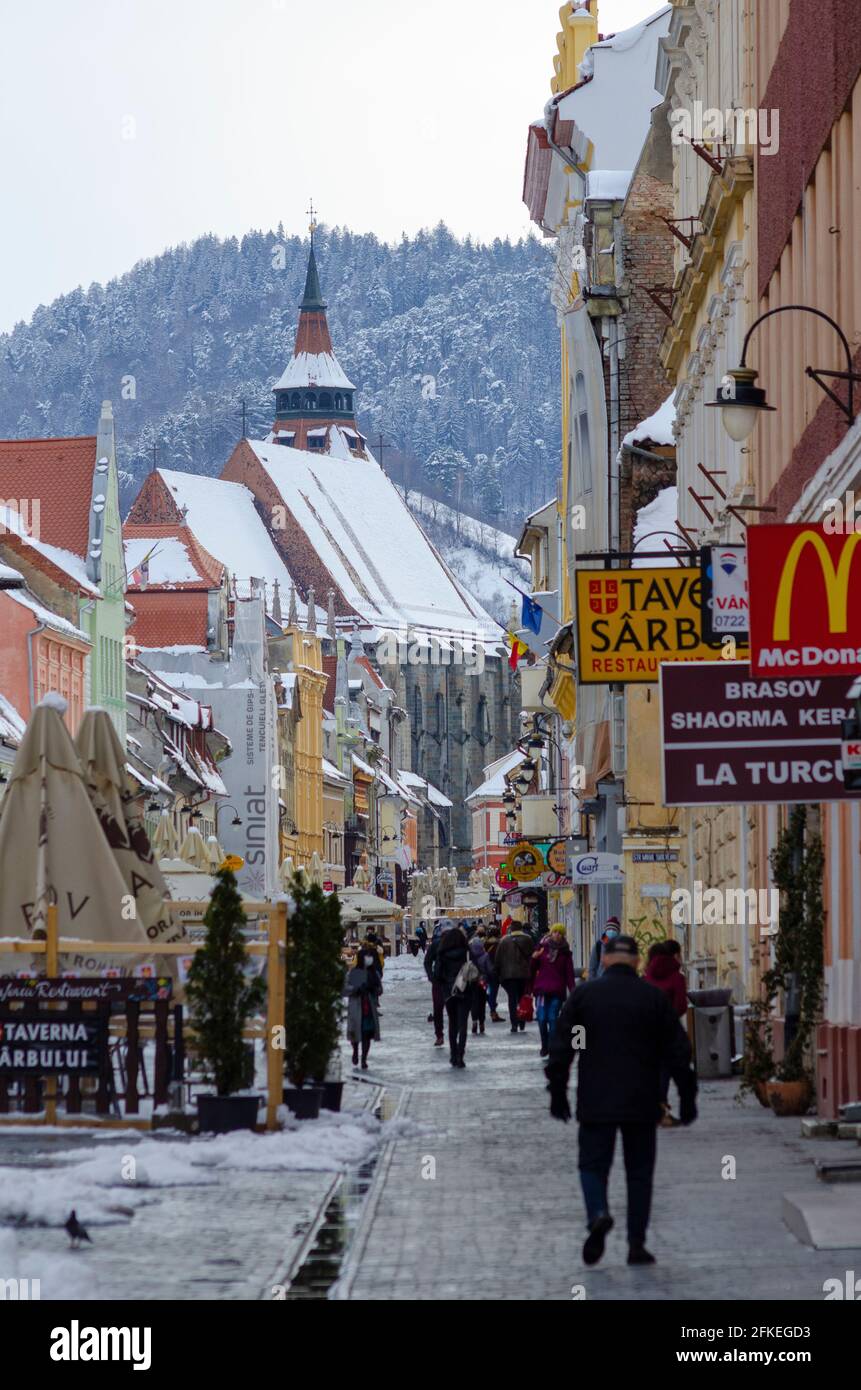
(314, 398)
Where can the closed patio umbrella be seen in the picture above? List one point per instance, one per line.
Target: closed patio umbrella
(315, 873)
(286, 873)
(53, 848)
(215, 853)
(164, 840)
(193, 849)
(114, 802)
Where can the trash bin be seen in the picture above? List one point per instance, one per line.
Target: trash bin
(712, 1031)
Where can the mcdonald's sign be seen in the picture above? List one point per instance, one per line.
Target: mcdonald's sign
(805, 601)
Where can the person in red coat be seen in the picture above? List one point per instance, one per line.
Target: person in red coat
(664, 971)
(552, 981)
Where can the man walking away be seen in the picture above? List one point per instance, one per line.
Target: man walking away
(513, 964)
(437, 1016)
(452, 955)
(612, 929)
(629, 1031)
(490, 944)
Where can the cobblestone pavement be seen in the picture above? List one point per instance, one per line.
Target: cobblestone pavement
(236, 1239)
(503, 1216)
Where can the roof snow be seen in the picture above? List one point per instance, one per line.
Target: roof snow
(170, 562)
(224, 520)
(609, 185)
(12, 726)
(412, 781)
(71, 564)
(494, 783)
(622, 71)
(658, 516)
(370, 543)
(44, 615)
(658, 428)
(314, 369)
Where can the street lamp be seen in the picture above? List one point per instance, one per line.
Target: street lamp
(226, 806)
(741, 401)
(526, 772)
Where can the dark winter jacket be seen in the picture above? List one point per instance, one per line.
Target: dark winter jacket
(478, 955)
(451, 953)
(513, 957)
(362, 986)
(666, 973)
(553, 967)
(630, 1033)
(430, 954)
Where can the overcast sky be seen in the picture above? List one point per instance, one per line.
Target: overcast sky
(127, 126)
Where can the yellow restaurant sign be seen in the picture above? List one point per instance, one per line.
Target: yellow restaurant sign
(629, 621)
(234, 862)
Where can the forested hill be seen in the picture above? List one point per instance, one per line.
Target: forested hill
(452, 344)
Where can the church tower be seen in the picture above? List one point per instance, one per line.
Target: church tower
(314, 398)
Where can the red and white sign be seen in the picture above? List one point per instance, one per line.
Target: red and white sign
(805, 601)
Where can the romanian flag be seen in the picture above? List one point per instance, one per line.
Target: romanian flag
(518, 649)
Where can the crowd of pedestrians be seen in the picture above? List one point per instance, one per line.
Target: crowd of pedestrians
(624, 1028)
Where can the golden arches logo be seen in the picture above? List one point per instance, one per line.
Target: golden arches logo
(835, 578)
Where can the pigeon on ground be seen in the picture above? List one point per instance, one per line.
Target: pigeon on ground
(77, 1232)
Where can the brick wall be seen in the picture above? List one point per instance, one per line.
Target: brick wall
(648, 263)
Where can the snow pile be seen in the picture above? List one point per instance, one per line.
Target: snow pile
(659, 516)
(608, 185)
(60, 1276)
(658, 428)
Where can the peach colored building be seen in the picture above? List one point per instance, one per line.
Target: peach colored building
(40, 652)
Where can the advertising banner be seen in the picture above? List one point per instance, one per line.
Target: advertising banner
(630, 621)
(596, 868)
(724, 591)
(805, 601)
(731, 738)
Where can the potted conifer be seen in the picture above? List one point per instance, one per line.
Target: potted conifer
(222, 998)
(313, 1000)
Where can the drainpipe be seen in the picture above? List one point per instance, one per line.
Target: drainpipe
(31, 677)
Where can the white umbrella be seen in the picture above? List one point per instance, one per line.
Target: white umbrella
(361, 878)
(164, 840)
(316, 871)
(215, 854)
(193, 849)
(114, 802)
(286, 873)
(53, 848)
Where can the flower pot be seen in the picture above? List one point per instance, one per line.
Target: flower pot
(304, 1101)
(332, 1094)
(222, 1114)
(789, 1097)
(760, 1090)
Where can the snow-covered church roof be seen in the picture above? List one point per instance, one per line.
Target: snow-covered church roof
(368, 540)
(314, 369)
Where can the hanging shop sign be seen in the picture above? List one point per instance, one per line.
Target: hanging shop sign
(805, 601)
(732, 738)
(630, 621)
(234, 862)
(504, 877)
(596, 868)
(525, 863)
(724, 592)
(34, 1043)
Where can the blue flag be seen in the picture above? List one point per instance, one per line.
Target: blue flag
(531, 614)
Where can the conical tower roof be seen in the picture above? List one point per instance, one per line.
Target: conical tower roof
(312, 298)
(313, 363)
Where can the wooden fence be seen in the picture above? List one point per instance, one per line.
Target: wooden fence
(273, 948)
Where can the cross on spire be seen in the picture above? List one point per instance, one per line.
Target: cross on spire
(312, 213)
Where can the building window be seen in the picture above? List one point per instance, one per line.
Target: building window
(296, 400)
(310, 402)
(325, 400)
(581, 427)
(339, 401)
(316, 441)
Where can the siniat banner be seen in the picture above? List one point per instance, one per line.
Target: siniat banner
(730, 738)
(242, 697)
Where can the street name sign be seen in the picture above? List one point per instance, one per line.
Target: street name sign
(630, 621)
(731, 738)
(805, 601)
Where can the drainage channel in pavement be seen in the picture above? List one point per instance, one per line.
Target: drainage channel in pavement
(321, 1266)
